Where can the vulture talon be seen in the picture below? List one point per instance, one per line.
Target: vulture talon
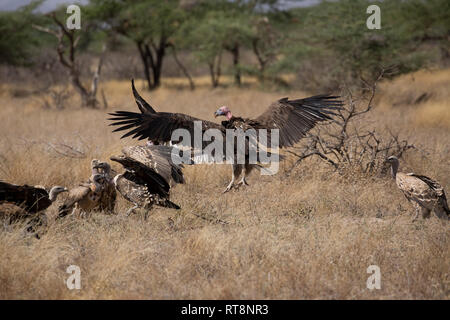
(131, 210)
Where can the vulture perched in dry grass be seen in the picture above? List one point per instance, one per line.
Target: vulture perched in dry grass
(85, 197)
(424, 193)
(293, 118)
(31, 199)
(148, 173)
(108, 194)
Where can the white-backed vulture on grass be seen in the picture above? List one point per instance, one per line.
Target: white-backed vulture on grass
(424, 193)
(148, 172)
(84, 197)
(31, 199)
(108, 194)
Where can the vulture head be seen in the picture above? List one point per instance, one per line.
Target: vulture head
(223, 111)
(393, 161)
(54, 191)
(104, 166)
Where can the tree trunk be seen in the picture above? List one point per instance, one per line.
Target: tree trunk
(183, 68)
(237, 73)
(145, 63)
(152, 58)
(215, 70)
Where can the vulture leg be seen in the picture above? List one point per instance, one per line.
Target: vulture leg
(131, 210)
(425, 212)
(440, 212)
(236, 172)
(417, 211)
(248, 169)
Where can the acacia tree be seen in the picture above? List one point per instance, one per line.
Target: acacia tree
(215, 28)
(150, 24)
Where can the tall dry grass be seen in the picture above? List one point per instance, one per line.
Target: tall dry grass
(310, 235)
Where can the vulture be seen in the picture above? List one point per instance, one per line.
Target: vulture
(108, 194)
(31, 199)
(424, 193)
(148, 173)
(84, 197)
(292, 118)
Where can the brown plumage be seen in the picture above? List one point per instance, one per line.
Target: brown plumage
(31, 199)
(84, 197)
(424, 193)
(108, 194)
(148, 171)
(293, 118)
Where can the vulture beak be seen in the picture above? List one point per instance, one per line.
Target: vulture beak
(65, 189)
(218, 113)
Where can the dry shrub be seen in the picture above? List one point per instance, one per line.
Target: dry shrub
(350, 143)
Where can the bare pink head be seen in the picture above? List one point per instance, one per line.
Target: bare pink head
(223, 111)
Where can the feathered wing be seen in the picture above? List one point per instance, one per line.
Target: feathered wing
(159, 158)
(140, 174)
(33, 199)
(438, 189)
(158, 127)
(141, 103)
(294, 118)
(76, 194)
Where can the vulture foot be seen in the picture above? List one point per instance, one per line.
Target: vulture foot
(228, 188)
(129, 211)
(243, 182)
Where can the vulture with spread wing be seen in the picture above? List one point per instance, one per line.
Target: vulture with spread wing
(293, 119)
(148, 173)
(31, 199)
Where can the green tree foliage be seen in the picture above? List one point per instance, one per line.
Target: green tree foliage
(17, 38)
(219, 26)
(331, 44)
(149, 24)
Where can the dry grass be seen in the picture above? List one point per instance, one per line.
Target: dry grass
(310, 235)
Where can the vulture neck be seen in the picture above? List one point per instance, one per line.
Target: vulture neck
(53, 194)
(394, 169)
(228, 115)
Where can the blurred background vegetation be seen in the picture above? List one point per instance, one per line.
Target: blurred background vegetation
(314, 48)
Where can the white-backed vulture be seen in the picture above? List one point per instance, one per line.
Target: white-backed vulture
(293, 119)
(84, 197)
(31, 199)
(424, 193)
(148, 171)
(108, 194)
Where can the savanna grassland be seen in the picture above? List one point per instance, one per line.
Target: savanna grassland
(307, 235)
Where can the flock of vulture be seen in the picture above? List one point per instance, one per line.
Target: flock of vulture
(149, 172)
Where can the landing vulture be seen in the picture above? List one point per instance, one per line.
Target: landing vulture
(424, 193)
(293, 119)
(148, 172)
(31, 199)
